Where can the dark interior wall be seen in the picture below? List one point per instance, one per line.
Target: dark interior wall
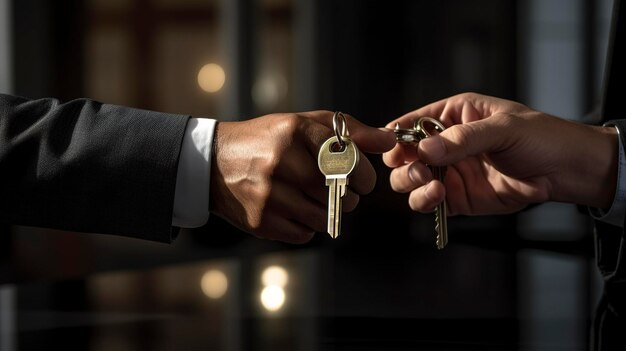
(48, 48)
(381, 61)
(376, 61)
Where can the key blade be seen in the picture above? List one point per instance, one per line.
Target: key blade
(337, 214)
(339, 193)
(441, 214)
(332, 195)
(441, 228)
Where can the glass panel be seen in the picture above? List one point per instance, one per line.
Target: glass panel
(149, 55)
(180, 52)
(271, 89)
(108, 67)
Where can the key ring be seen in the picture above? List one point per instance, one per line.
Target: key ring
(418, 132)
(406, 135)
(419, 126)
(343, 133)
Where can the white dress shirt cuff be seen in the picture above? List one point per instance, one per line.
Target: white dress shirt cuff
(191, 201)
(616, 213)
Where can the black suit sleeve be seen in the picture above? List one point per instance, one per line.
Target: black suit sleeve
(88, 167)
(610, 243)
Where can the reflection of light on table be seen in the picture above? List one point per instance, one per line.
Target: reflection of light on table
(275, 275)
(274, 279)
(272, 297)
(211, 78)
(214, 284)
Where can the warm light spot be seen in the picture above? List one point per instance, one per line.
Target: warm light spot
(275, 275)
(268, 90)
(211, 78)
(272, 298)
(214, 284)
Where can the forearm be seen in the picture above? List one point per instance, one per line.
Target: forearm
(89, 167)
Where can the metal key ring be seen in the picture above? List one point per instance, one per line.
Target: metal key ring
(421, 129)
(342, 133)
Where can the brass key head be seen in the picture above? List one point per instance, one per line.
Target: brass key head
(337, 162)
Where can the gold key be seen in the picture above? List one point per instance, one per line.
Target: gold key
(337, 158)
(422, 129)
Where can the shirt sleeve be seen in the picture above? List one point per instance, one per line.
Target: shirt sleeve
(616, 213)
(191, 199)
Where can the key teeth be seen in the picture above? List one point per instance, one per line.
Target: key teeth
(438, 240)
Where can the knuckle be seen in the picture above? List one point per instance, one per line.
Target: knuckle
(503, 119)
(288, 124)
(469, 95)
(462, 134)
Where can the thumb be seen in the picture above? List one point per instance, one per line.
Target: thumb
(461, 141)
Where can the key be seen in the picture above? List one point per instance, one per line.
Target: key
(441, 214)
(413, 135)
(336, 162)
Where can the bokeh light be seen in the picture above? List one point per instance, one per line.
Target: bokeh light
(214, 284)
(272, 298)
(275, 275)
(211, 78)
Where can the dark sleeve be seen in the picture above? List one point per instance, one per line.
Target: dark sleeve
(610, 251)
(88, 167)
(610, 244)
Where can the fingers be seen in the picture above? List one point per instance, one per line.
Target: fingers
(463, 140)
(363, 178)
(417, 179)
(295, 205)
(372, 140)
(461, 108)
(427, 197)
(408, 177)
(302, 209)
(401, 154)
(367, 138)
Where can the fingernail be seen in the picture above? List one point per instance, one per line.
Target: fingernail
(415, 177)
(413, 174)
(427, 190)
(433, 147)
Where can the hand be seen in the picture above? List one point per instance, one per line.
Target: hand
(503, 156)
(265, 179)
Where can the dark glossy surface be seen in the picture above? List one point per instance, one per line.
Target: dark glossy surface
(337, 297)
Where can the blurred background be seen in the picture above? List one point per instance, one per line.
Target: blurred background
(238, 59)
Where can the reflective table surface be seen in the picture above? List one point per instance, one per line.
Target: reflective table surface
(328, 295)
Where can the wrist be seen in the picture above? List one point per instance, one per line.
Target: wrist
(589, 176)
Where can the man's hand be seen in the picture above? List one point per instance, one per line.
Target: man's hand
(265, 179)
(503, 156)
